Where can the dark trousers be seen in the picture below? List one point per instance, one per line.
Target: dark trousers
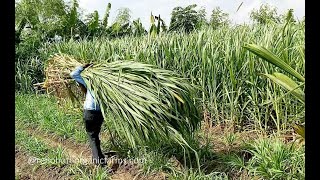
(93, 121)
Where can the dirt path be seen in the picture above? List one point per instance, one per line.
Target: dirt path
(24, 170)
(78, 153)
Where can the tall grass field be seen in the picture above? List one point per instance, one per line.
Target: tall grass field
(236, 102)
(215, 60)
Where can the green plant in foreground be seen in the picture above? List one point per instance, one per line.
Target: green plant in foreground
(234, 161)
(273, 159)
(281, 79)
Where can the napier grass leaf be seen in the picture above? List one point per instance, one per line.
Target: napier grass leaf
(281, 79)
(151, 104)
(272, 58)
(287, 83)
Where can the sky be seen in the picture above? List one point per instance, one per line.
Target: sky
(143, 8)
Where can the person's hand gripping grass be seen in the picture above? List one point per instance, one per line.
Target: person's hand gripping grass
(87, 65)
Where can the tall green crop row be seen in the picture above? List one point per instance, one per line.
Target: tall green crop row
(216, 61)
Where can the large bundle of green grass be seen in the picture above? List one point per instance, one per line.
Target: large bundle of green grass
(151, 104)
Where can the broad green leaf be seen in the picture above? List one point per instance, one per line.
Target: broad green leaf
(287, 83)
(272, 58)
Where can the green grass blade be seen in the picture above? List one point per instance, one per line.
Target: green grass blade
(272, 58)
(287, 83)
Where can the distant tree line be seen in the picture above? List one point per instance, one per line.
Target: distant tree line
(52, 20)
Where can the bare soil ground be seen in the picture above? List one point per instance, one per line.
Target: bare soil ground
(216, 134)
(24, 170)
(74, 152)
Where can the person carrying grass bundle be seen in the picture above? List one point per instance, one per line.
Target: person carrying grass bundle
(150, 105)
(92, 116)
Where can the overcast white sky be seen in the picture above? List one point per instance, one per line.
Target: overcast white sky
(142, 8)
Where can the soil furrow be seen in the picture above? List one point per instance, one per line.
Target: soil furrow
(78, 153)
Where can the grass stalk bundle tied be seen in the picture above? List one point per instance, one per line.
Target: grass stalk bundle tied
(150, 104)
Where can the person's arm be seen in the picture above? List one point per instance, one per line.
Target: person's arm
(76, 75)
